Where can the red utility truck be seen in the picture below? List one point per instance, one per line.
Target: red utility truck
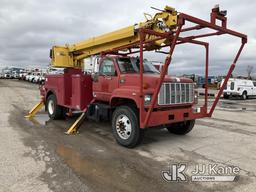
(127, 89)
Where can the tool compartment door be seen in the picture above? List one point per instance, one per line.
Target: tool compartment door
(81, 91)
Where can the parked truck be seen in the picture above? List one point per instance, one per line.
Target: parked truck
(124, 87)
(243, 88)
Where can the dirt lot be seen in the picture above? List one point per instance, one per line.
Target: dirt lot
(37, 156)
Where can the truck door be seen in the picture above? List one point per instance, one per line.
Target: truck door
(107, 80)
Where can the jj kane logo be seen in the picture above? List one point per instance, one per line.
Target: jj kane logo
(175, 173)
(200, 173)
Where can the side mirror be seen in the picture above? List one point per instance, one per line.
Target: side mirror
(95, 77)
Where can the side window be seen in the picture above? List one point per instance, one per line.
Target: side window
(107, 68)
(232, 86)
(254, 83)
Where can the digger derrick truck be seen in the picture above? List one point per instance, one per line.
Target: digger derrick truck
(126, 88)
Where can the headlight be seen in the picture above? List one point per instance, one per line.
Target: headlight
(147, 99)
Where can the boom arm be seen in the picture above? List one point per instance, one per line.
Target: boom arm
(71, 56)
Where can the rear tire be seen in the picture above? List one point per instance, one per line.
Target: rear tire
(226, 96)
(181, 128)
(244, 95)
(125, 126)
(54, 110)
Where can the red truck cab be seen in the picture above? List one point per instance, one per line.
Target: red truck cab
(118, 78)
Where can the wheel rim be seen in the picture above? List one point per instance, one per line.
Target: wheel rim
(123, 127)
(51, 107)
(244, 96)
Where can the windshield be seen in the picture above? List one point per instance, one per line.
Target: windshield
(132, 65)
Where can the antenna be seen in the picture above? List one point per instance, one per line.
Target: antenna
(156, 9)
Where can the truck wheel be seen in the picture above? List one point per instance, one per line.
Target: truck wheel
(244, 95)
(125, 126)
(54, 110)
(181, 128)
(226, 96)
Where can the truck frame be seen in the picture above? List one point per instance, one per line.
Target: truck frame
(130, 107)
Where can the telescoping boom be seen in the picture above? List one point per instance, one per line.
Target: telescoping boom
(72, 55)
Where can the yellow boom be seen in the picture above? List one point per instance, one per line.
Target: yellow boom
(71, 56)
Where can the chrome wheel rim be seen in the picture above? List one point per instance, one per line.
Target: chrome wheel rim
(51, 107)
(123, 127)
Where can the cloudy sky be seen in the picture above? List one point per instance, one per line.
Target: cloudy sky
(29, 28)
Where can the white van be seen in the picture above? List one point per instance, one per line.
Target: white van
(239, 87)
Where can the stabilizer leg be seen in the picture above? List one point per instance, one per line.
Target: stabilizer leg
(73, 129)
(35, 110)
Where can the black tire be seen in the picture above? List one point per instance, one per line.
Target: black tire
(244, 95)
(57, 111)
(181, 128)
(134, 134)
(226, 96)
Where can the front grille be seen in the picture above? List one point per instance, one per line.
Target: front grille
(176, 93)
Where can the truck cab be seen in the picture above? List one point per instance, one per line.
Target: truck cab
(118, 78)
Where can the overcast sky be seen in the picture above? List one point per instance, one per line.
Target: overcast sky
(28, 29)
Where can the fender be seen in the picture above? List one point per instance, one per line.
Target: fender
(126, 93)
(49, 92)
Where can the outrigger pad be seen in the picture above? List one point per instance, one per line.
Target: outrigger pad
(35, 110)
(74, 128)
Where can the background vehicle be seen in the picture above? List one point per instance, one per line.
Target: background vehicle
(14, 75)
(27, 76)
(239, 87)
(36, 77)
(30, 77)
(41, 79)
(7, 75)
(124, 87)
(55, 71)
(22, 75)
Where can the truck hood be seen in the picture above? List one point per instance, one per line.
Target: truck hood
(150, 79)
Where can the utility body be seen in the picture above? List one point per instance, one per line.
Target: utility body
(123, 86)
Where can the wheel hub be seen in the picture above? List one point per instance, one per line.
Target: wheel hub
(51, 107)
(123, 126)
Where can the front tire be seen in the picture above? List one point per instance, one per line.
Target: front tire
(181, 128)
(54, 110)
(125, 126)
